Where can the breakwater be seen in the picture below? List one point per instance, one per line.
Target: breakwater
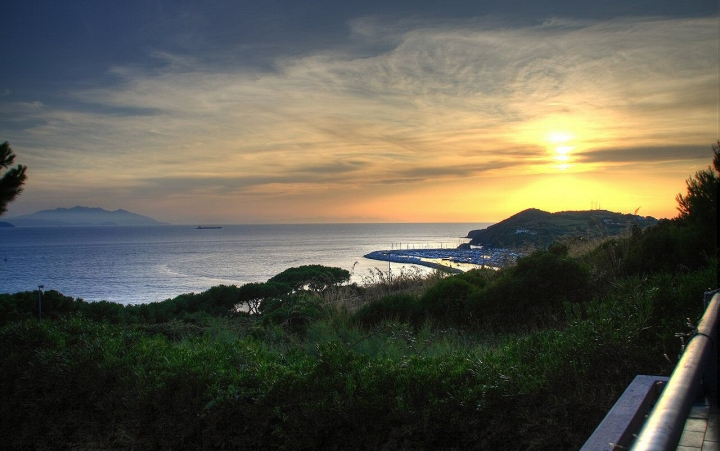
(461, 259)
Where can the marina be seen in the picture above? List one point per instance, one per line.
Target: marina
(143, 264)
(456, 260)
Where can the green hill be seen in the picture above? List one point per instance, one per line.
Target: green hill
(533, 227)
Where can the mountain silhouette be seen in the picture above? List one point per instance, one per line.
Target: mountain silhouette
(82, 216)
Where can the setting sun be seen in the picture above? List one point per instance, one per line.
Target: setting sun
(556, 137)
(560, 148)
(360, 127)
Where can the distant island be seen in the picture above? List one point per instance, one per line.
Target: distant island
(533, 227)
(82, 216)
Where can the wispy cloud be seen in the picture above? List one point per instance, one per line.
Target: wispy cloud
(406, 103)
(642, 155)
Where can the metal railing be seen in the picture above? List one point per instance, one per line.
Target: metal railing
(664, 426)
(651, 413)
(621, 424)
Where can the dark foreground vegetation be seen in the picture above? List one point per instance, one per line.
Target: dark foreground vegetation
(530, 357)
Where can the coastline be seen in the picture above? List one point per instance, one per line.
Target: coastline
(145, 264)
(454, 260)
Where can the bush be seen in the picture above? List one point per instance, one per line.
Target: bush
(669, 246)
(443, 302)
(396, 307)
(295, 312)
(530, 294)
(75, 382)
(447, 300)
(24, 305)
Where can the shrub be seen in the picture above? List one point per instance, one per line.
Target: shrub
(24, 305)
(447, 300)
(295, 311)
(531, 293)
(397, 307)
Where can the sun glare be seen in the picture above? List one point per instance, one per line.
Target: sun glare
(556, 137)
(560, 144)
(563, 150)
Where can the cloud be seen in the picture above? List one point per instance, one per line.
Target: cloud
(700, 154)
(401, 103)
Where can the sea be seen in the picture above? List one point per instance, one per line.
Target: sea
(143, 264)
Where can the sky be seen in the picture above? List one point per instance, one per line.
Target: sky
(317, 111)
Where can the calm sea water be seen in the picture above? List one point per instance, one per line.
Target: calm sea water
(133, 265)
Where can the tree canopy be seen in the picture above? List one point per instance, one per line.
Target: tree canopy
(316, 277)
(701, 198)
(254, 294)
(699, 206)
(11, 182)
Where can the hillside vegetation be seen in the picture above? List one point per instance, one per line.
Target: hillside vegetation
(533, 227)
(529, 357)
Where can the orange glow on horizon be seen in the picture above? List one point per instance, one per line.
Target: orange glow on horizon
(555, 118)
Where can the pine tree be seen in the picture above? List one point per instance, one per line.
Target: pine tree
(698, 207)
(13, 179)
